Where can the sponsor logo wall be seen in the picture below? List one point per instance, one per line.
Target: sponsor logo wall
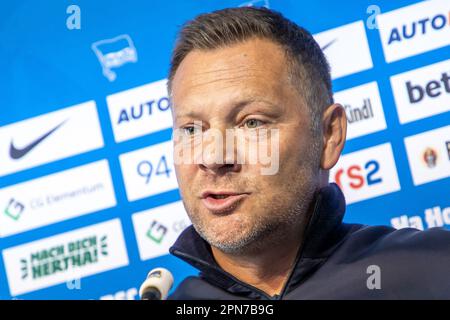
(156, 230)
(60, 258)
(56, 197)
(89, 201)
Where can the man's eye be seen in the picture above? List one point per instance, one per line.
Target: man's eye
(253, 123)
(190, 131)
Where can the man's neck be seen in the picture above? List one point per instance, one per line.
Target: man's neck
(267, 269)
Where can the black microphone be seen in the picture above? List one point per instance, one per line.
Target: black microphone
(157, 285)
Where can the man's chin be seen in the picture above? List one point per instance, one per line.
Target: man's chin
(228, 230)
(229, 245)
(237, 245)
(232, 222)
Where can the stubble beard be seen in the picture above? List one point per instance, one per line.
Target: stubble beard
(284, 219)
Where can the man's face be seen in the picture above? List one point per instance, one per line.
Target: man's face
(245, 86)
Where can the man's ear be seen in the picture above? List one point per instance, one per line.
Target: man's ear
(334, 122)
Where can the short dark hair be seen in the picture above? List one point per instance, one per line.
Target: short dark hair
(307, 63)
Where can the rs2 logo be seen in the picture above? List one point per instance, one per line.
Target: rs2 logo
(357, 176)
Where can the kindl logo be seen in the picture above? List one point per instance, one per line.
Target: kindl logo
(432, 89)
(356, 113)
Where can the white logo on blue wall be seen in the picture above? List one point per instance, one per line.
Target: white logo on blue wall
(114, 53)
(256, 3)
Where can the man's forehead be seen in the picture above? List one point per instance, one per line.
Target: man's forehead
(251, 59)
(198, 77)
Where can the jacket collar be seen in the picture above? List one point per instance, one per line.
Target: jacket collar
(324, 232)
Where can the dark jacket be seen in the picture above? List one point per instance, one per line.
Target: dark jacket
(337, 261)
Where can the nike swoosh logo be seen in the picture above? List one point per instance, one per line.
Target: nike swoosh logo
(328, 44)
(17, 153)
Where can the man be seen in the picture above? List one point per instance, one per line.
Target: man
(277, 235)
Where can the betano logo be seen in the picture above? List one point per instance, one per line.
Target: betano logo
(422, 92)
(414, 29)
(366, 173)
(430, 89)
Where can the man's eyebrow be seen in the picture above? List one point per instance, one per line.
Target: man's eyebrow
(234, 110)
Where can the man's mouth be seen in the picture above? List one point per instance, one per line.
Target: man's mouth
(219, 196)
(221, 202)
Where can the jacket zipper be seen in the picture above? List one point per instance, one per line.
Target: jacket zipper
(300, 253)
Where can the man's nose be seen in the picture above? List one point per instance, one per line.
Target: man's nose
(218, 167)
(218, 157)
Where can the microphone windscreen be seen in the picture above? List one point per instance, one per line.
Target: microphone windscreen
(160, 279)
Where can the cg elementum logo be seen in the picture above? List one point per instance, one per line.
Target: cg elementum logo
(14, 209)
(157, 232)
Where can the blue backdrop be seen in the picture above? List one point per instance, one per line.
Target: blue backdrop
(53, 56)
